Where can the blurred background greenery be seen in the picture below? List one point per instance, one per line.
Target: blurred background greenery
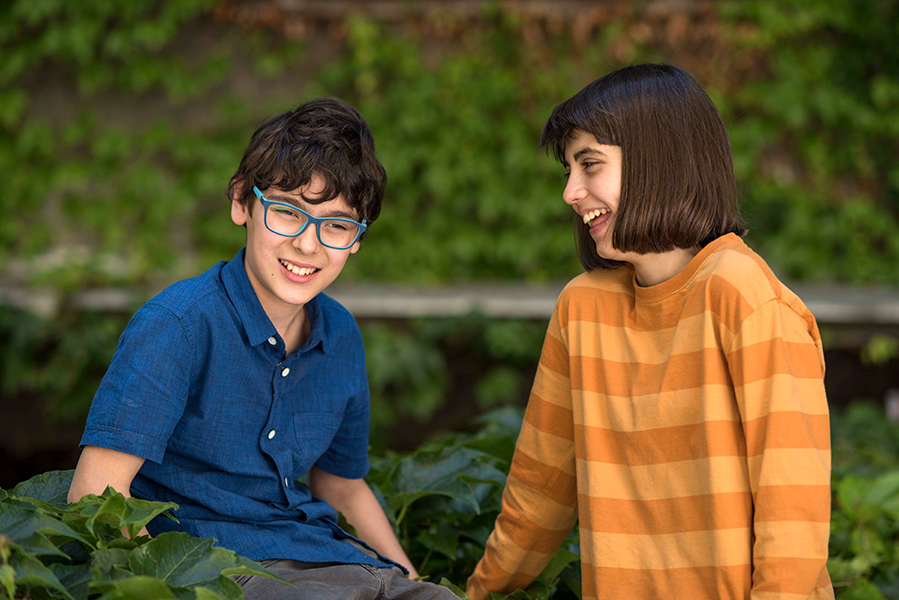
(121, 122)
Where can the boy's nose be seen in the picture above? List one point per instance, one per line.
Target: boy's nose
(307, 242)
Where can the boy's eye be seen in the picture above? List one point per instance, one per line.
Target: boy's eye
(286, 212)
(337, 225)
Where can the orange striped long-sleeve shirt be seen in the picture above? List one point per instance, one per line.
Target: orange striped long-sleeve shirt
(686, 426)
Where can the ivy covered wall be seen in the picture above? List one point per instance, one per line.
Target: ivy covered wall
(121, 123)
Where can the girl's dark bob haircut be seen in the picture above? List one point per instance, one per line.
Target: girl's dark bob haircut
(326, 137)
(678, 188)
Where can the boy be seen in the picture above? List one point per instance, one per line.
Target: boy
(227, 387)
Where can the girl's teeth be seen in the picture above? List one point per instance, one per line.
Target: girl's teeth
(594, 213)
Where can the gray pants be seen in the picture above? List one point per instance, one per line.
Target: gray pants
(337, 581)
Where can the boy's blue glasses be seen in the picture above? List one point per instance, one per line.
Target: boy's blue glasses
(288, 220)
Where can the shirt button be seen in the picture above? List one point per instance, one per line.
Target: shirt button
(286, 484)
(285, 372)
(271, 434)
(272, 341)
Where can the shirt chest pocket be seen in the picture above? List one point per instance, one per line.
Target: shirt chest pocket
(314, 434)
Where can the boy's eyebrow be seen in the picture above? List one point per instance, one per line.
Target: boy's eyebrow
(337, 214)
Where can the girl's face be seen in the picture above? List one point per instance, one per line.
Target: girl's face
(594, 188)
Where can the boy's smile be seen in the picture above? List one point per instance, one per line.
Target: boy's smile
(287, 272)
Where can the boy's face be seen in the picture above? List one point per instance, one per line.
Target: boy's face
(271, 259)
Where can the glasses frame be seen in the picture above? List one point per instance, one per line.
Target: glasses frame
(309, 219)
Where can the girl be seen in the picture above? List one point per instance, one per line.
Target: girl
(678, 410)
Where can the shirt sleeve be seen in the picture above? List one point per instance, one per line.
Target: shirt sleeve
(539, 503)
(143, 394)
(777, 367)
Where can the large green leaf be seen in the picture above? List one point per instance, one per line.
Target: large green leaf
(140, 587)
(75, 578)
(29, 529)
(30, 572)
(423, 474)
(113, 510)
(454, 588)
(51, 487)
(224, 588)
(185, 561)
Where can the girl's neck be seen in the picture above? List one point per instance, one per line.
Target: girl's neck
(653, 269)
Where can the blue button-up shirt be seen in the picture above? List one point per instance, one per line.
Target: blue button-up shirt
(200, 387)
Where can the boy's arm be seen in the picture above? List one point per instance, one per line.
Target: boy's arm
(101, 467)
(355, 500)
(777, 368)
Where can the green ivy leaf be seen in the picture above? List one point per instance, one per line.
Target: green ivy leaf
(51, 487)
(75, 578)
(31, 572)
(29, 528)
(113, 511)
(185, 561)
(454, 588)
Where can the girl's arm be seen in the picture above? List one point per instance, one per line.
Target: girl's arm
(355, 500)
(539, 503)
(777, 367)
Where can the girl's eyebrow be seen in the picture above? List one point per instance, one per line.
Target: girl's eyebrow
(587, 150)
(337, 214)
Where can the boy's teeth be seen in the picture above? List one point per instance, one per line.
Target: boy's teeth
(297, 270)
(594, 213)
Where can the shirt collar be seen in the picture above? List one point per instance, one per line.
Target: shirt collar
(256, 324)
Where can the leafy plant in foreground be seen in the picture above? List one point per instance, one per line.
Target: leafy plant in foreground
(50, 549)
(443, 500)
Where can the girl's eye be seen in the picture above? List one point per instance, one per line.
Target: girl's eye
(587, 165)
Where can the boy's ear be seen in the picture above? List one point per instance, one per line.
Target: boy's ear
(355, 247)
(238, 213)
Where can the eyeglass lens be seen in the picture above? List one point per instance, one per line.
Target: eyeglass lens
(338, 233)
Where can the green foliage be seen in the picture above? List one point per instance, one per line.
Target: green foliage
(418, 367)
(51, 549)
(864, 561)
(815, 137)
(444, 497)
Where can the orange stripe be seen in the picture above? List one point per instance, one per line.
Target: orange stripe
(809, 503)
(680, 372)
(669, 515)
(529, 536)
(787, 430)
(790, 575)
(697, 583)
(549, 418)
(716, 295)
(669, 480)
(555, 356)
(657, 446)
(489, 575)
(538, 476)
(760, 361)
